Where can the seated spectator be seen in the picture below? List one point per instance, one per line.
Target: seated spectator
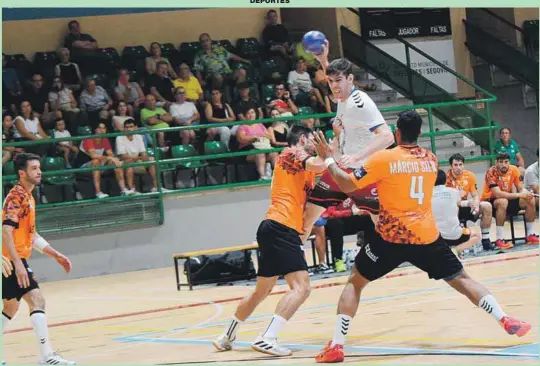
(151, 61)
(28, 128)
(211, 65)
(129, 92)
(275, 36)
(161, 86)
(8, 153)
(120, 117)
(130, 149)
(97, 152)
(245, 101)
(68, 71)
(184, 113)
(278, 131)
(256, 137)
(308, 122)
(11, 87)
(68, 150)
(310, 60)
(218, 112)
(282, 101)
(155, 117)
(96, 102)
(190, 83)
(320, 247)
(531, 178)
(301, 87)
(499, 181)
(80, 44)
(507, 144)
(62, 99)
(38, 96)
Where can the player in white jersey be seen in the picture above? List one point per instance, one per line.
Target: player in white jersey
(360, 131)
(445, 204)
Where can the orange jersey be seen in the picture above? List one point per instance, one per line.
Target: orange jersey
(494, 178)
(291, 186)
(19, 211)
(405, 177)
(465, 184)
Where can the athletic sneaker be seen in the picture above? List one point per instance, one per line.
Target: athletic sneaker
(331, 354)
(323, 269)
(340, 266)
(223, 343)
(532, 239)
(487, 245)
(515, 326)
(501, 244)
(270, 346)
(55, 359)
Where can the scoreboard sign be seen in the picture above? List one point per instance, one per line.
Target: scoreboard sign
(404, 22)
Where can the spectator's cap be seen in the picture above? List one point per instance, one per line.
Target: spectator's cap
(243, 85)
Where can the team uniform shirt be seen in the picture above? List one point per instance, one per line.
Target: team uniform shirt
(446, 210)
(465, 184)
(404, 177)
(19, 211)
(494, 178)
(360, 117)
(291, 185)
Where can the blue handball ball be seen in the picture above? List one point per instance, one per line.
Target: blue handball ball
(313, 42)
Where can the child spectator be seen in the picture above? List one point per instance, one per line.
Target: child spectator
(67, 148)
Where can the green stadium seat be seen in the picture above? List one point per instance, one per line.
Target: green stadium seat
(188, 51)
(56, 163)
(267, 93)
(84, 131)
(184, 151)
(329, 134)
(305, 111)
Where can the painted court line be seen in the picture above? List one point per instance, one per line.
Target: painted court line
(232, 299)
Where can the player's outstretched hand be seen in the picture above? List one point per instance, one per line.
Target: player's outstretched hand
(64, 262)
(7, 267)
(323, 57)
(323, 150)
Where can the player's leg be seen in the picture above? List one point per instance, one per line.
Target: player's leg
(312, 213)
(486, 216)
(36, 305)
(530, 216)
(500, 206)
(246, 307)
(10, 308)
(299, 290)
(466, 241)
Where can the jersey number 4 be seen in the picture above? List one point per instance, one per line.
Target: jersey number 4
(417, 188)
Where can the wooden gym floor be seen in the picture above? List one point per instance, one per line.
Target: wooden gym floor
(140, 318)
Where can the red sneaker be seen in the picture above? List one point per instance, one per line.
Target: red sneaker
(501, 244)
(515, 326)
(331, 354)
(532, 239)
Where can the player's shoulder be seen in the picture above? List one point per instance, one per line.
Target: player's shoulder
(514, 169)
(359, 99)
(469, 175)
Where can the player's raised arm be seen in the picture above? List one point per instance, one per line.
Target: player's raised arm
(323, 57)
(383, 139)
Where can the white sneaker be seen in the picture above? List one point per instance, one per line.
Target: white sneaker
(102, 195)
(55, 359)
(223, 343)
(270, 346)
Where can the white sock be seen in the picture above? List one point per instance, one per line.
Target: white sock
(275, 326)
(530, 228)
(485, 233)
(231, 329)
(490, 304)
(343, 323)
(5, 321)
(39, 322)
(500, 232)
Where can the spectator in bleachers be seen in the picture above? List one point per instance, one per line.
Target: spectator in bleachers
(161, 86)
(96, 102)
(190, 83)
(507, 144)
(216, 111)
(531, 178)
(275, 36)
(212, 67)
(155, 117)
(28, 128)
(244, 102)
(130, 149)
(278, 131)
(282, 101)
(128, 91)
(498, 186)
(11, 87)
(184, 113)
(256, 137)
(8, 153)
(38, 96)
(79, 43)
(97, 152)
(151, 61)
(310, 60)
(68, 150)
(301, 87)
(308, 122)
(62, 99)
(68, 71)
(120, 117)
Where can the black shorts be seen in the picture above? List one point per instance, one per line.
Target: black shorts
(380, 257)
(280, 250)
(12, 290)
(465, 214)
(512, 209)
(327, 193)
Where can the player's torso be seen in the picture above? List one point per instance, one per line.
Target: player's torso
(504, 180)
(23, 235)
(463, 183)
(445, 211)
